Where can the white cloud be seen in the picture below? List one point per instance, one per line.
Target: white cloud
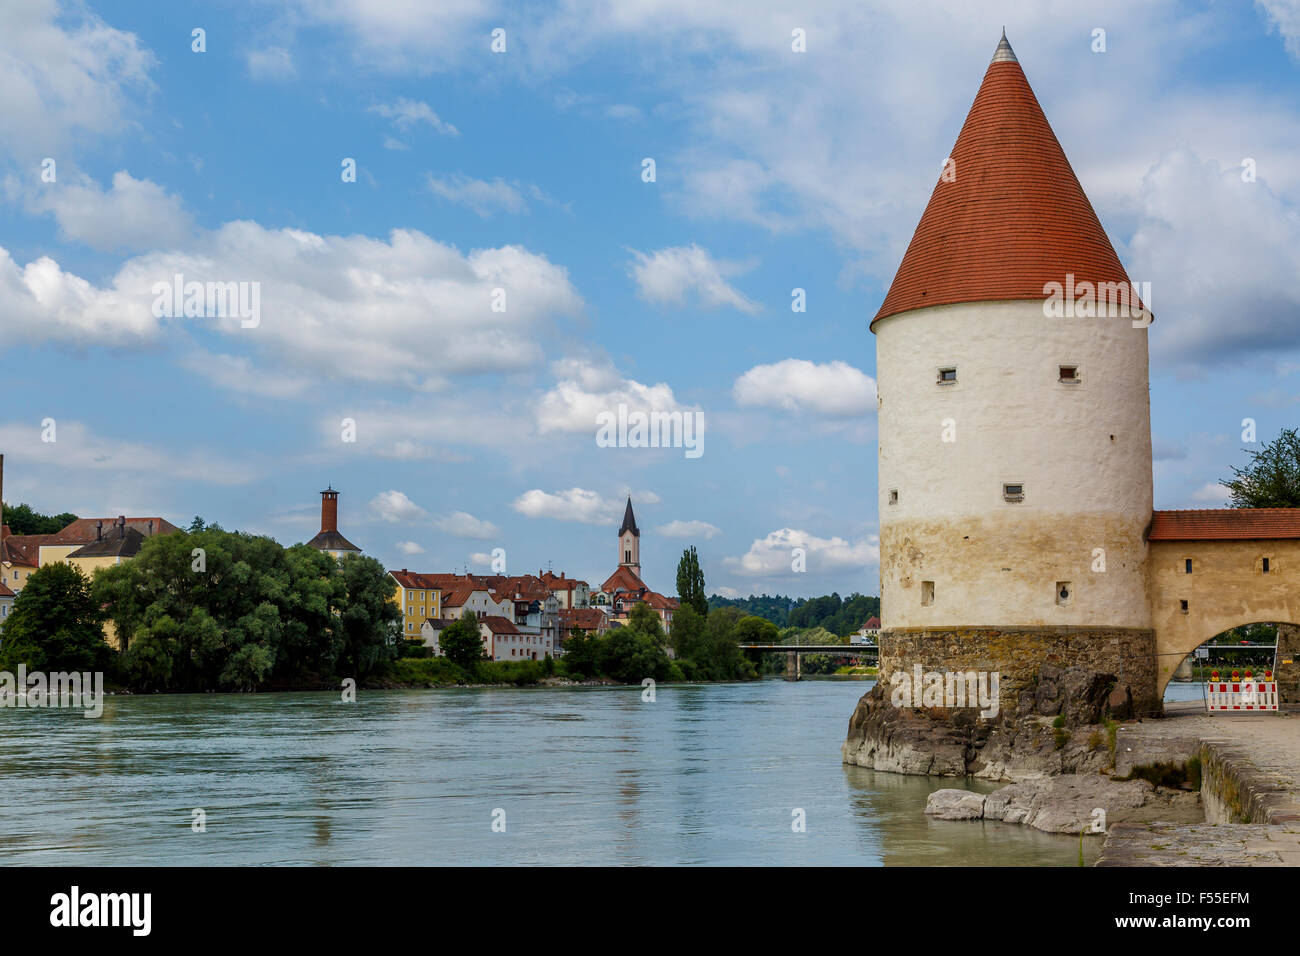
(394, 507)
(773, 556)
(461, 524)
(481, 196)
(407, 114)
(586, 388)
(409, 547)
(66, 77)
(350, 308)
(833, 388)
(673, 275)
(131, 214)
(1284, 16)
(1212, 494)
(1216, 250)
(688, 529)
(726, 592)
(270, 63)
(236, 373)
(575, 504)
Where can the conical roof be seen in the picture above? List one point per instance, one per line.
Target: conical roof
(1008, 215)
(629, 520)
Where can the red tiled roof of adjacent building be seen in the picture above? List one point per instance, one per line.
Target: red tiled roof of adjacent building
(499, 625)
(83, 530)
(873, 624)
(659, 602)
(1225, 524)
(1013, 216)
(625, 578)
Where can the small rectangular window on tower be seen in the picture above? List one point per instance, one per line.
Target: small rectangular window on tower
(1265, 565)
(1188, 565)
(927, 593)
(1069, 374)
(893, 496)
(1182, 606)
(1013, 492)
(1064, 593)
(948, 376)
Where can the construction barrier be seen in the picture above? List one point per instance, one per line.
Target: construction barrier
(1240, 695)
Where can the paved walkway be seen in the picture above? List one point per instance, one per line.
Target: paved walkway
(1263, 752)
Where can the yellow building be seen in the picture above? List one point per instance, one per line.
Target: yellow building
(419, 597)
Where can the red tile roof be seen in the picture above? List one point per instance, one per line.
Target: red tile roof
(623, 577)
(499, 625)
(1225, 524)
(873, 624)
(1012, 218)
(82, 531)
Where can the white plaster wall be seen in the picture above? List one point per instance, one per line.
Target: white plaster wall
(1083, 453)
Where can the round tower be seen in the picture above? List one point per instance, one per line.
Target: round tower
(1014, 420)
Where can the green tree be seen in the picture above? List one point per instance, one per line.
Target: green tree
(21, 519)
(687, 638)
(690, 582)
(1272, 477)
(462, 643)
(580, 652)
(755, 630)
(369, 621)
(55, 624)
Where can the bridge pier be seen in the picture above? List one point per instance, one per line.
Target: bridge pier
(792, 665)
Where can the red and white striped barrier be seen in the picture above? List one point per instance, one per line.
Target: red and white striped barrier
(1241, 695)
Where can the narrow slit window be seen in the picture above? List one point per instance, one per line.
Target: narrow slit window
(1182, 606)
(1013, 492)
(1188, 565)
(1069, 374)
(948, 376)
(1266, 565)
(893, 500)
(927, 593)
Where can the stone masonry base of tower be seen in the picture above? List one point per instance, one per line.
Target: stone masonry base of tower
(1082, 672)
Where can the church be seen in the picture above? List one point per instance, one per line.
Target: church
(624, 588)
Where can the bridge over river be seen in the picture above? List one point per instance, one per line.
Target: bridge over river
(795, 652)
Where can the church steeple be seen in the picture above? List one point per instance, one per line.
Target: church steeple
(629, 541)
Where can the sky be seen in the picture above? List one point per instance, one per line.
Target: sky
(499, 146)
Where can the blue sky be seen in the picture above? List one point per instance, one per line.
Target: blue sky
(522, 170)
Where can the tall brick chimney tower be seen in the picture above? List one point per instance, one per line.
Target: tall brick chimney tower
(2, 498)
(329, 510)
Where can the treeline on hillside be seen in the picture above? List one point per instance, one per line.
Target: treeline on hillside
(209, 610)
(21, 519)
(838, 616)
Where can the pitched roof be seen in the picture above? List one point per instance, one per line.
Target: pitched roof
(499, 625)
(561, 583)
(623, 578)
(332, 541)
(873, 624)
(587, 618)
(1225, 524)
(83, 530)
(659, 602)
(120, 542)
(1009, 216)
(24, 549)
(629, 520)
(5, 591)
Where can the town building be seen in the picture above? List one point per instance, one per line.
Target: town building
(570, 592)
(420, 598)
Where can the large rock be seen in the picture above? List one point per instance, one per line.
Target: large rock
(955, 805)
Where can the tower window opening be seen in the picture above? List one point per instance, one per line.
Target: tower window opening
(893, 500)
(1064, 593)
(1069, 374)
(1266, 565)
(1188, 565)
(947, 376)
(1013, 492)
(927, 593)
(1182, 606)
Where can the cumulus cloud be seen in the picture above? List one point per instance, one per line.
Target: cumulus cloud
(131, 214)
(481, 196)
(1284, 17)
(586, 388)
(461, 524)
(394, 507)
(674, 275)
(774, 555)
(1221, 256)
(67, 76)
(407, 114)
(576, 504)
(833, 388)
(409, 547)
(345, 308)
(688, 529)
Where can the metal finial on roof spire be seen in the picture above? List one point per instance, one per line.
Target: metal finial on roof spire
(1004, 53)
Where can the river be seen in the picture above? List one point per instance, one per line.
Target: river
(705, 774)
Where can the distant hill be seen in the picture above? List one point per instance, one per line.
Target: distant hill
(837, 615)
